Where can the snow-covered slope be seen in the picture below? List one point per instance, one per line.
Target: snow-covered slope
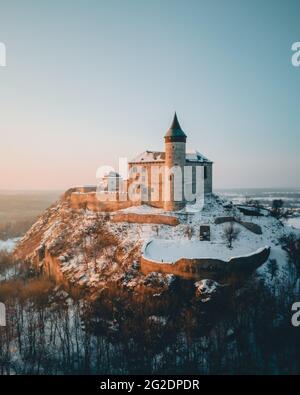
(89, 249)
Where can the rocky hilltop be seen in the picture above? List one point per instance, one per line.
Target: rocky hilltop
(91, 249)
(108, 312)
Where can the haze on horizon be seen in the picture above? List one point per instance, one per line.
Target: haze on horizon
(89, 82)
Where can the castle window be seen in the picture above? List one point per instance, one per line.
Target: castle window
(205, 172)
(134, 169)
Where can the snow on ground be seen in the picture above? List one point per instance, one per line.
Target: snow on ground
(206, 289)
(170, 242)
(194, 207)
(143, 209)
(193, 217)
(246, 242)
(169, 251)
(279, 256)
(294, 222)
(8, 245)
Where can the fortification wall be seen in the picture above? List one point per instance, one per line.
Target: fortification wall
(91, 202)
(145, 219)
(251, 226)
(206, 267)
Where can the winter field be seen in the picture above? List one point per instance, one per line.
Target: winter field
(18, 211)
(291, 197)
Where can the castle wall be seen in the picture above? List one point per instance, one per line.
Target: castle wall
(200, 268)
(208, 182)
(150, 179)
(91, 202)
(153, 179)
(198, 182)
(145, 219)
(154, 194)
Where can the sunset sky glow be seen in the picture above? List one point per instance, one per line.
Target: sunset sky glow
(87, 82)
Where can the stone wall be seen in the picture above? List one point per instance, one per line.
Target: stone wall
(207, 268)
(81, 189)
(91, 202)
(154, 178)
(145, 219)
(153, 175)
(254, 228)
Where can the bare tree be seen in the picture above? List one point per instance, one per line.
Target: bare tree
(277, 208)
(231, 233)
(291, 244)
(273, 268)
(188, 232)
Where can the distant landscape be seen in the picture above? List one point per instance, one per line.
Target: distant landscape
(20, 209)
(290, 196)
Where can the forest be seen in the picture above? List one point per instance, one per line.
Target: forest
(56, 329)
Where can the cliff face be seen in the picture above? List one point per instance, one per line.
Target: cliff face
(74, 245)
(87, 248)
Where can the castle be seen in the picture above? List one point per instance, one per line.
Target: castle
(166, 179)
(170, 178)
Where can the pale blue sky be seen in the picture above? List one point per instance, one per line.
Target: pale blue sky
(89, 81)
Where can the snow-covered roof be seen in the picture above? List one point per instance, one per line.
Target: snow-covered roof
(159, 156)
(111, 174)
(195, 156)
(149, 156)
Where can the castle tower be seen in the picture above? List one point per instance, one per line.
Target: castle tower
(175, 158)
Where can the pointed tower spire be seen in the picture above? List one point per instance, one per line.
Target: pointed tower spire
(175, 123)
(175, 130)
